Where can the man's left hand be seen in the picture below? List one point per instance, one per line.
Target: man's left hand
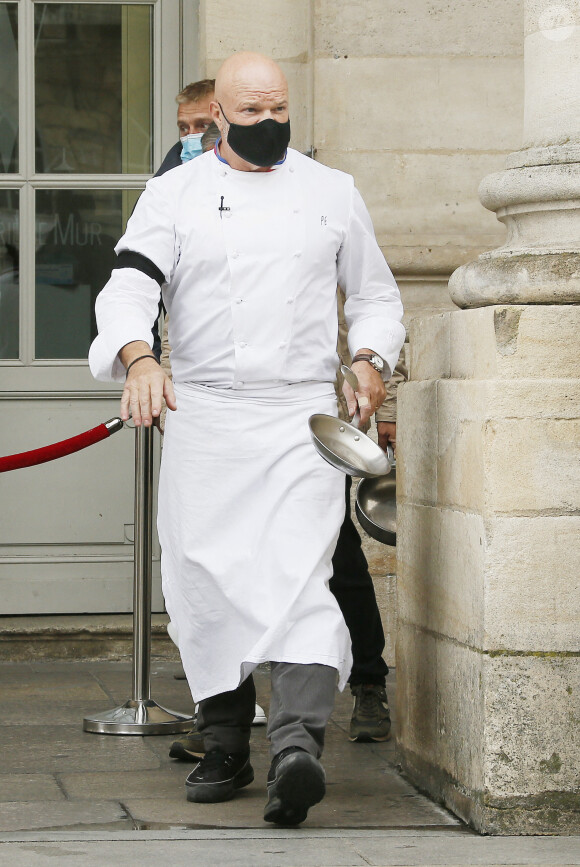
(371, 391)
(387, 434)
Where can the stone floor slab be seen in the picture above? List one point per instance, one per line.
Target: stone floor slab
(20, 815)
(59, 687)
(182, 854)
(29, 787)
(474, 851)
(157, 785)
(55, 713)
(165, 690)
(363, 806)
(282, 849)
(58, 749)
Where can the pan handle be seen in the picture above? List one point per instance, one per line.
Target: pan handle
(352, 380)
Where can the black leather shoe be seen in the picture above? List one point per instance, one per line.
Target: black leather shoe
(296, 782)
(218, 776)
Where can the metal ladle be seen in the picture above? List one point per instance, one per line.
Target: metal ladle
(345, 446)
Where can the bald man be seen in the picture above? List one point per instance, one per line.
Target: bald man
(249, 514)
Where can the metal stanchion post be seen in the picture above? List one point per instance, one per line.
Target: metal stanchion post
(141, 715)
(142, 573)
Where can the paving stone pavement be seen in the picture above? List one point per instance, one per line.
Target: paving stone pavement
(92, 799)
(66, 777)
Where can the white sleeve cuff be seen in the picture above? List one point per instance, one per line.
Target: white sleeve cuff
(104, 360)
(383, 337)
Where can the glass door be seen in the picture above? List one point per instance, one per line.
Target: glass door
(82, 122)
(87, 112)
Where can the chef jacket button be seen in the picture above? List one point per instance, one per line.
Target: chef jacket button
(291, 168)
(235, 254)
(283, 344)
(298, 253)
(223, 173)
(228, 214)
(242, 345)
(296, 210)
(239, 300)
(239, 384)
(290, 301)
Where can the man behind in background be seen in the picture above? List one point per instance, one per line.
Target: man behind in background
(193, 119)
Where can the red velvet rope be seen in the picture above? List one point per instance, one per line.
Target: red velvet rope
(57, 450)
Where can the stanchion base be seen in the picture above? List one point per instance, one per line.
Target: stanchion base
(138, 718)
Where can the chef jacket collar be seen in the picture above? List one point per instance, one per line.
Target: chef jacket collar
(216, 151)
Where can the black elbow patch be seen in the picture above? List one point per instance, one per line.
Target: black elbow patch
(128, 259)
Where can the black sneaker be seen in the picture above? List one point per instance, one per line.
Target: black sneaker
(217, 777)
(371, 719)
(296, 782)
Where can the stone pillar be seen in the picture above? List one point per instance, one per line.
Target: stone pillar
(538, 196)
(488, 659)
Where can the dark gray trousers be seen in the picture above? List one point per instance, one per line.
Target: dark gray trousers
(300, 706)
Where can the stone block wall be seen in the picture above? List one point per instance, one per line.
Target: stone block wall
(489, 566)
(281, 29)
(418, 101)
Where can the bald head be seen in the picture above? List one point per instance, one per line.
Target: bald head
(249, 88)
(249, 72)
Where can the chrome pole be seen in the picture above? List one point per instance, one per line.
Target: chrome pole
(140, 715)
(142, 576)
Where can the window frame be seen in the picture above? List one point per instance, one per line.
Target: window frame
(72, 375)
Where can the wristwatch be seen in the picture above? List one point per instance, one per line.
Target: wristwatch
(374, 360)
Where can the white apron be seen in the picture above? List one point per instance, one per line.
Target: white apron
(248, 519)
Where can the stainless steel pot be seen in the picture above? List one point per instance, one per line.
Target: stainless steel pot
(345, 446)
(376, 507)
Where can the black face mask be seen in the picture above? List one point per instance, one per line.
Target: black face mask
(261, 144)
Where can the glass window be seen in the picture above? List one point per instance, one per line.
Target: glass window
(9, 294)
(8, 87)
(93, 76)
(76, 231)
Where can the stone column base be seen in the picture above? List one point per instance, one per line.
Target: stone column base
(488, 530)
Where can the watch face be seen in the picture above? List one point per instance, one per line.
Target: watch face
(377, 362)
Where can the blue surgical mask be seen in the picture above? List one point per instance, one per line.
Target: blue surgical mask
(191, 146)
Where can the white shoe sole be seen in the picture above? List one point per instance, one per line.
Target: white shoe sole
(260, 718)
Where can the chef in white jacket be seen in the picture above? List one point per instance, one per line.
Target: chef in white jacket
(248, 243)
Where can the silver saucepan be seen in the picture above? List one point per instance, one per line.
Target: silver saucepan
(345, 446)
(376, 507)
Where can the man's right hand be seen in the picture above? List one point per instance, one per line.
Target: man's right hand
(145, 387)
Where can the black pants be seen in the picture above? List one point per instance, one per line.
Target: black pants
(353, 588)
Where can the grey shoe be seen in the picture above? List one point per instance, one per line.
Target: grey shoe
(189, 747)
(371, 719)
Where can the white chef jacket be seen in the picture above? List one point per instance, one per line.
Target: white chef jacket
(250, 263)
